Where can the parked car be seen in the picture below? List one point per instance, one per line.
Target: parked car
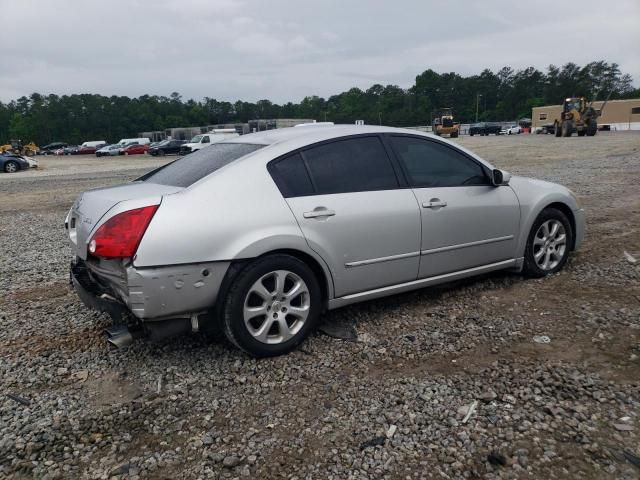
(11, 163)
(131, 141)
(89, 149)
(166, 147)
(135, 149)
(51, 148)
(302, 220)
(512, 130)
(109, 150)
(201, 141)
(484, 128)
(71, 150)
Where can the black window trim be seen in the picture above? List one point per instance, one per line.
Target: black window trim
(387, 138)
(399, 174)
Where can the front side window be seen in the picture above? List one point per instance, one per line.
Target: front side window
(432, 164)
(205, 139)
(350, 165)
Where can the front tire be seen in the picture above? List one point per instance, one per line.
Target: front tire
(272, 306)
(11, 167)
(549, 243)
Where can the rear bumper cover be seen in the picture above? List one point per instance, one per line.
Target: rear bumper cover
(92, 294)
(149, 294)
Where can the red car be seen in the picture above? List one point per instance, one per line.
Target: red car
(89, 150)
(134, 150)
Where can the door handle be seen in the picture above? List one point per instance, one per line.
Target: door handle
(434, 203)
(319, 213)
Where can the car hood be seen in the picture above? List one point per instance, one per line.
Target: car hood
(93, 207)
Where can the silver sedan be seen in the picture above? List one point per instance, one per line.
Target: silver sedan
(259, 234)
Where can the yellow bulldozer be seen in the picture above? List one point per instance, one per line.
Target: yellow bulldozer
(578, 116)
(17, 147)
(442, 123)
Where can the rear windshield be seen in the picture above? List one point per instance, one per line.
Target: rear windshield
(189, 169)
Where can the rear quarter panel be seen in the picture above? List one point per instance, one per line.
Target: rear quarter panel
(237, 212)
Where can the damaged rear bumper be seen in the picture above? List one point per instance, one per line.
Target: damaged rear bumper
(149, 294)
(93, 295)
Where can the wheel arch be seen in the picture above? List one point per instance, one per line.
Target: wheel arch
(564, 208)
(317, 266)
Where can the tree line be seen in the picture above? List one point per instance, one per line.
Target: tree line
(504, 95)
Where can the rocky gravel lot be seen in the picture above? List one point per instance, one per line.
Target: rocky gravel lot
(443, 383)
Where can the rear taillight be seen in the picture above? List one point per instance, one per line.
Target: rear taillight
(120, 236)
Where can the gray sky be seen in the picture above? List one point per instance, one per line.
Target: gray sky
(283, 50)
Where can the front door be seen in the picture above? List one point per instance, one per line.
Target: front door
(466, 221)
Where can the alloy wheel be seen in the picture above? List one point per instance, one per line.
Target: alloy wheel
(276, 307)
(549, 244)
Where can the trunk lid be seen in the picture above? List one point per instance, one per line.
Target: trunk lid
(91, 206)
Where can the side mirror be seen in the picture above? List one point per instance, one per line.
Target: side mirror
(500, 177)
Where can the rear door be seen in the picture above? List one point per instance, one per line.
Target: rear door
(346, 197)
(466, 221)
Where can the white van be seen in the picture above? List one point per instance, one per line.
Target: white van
(205, 139)
(94, 143)
(138, 141)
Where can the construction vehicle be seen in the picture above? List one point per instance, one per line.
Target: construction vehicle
(578, 116)
(16, 146)
(442, 123)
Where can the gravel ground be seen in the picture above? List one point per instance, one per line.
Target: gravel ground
(392, 403)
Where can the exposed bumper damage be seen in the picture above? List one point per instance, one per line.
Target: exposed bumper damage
(158, 302)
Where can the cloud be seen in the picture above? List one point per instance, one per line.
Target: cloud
(286, 49)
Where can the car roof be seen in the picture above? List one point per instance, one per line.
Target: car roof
(314, 133)
(283, 140)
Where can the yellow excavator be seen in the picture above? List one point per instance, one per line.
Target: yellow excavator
(16, 146)
(442, 123)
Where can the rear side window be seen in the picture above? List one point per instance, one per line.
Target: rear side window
(432, 164)
(352, 165)
(291, 176)
(189, 169)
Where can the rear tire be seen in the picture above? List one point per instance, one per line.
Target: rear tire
(272, 306)
(548, 244)
(557, 130)
(567, 128)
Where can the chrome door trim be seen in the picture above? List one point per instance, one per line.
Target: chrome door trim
(423, 282)
(466, 245)
(372, 261)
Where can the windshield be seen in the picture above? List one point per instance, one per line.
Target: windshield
(196, 139)
(163, 142)
(189, 169)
